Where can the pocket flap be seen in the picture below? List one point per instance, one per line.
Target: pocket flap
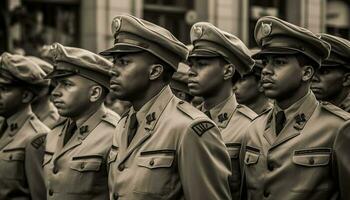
(251, 158)
(14, 155)
(312, 157)
(156, 161)
(85, 165)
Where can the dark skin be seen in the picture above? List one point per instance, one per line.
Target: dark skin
(136, 77)
(250, 92)
(77, 97)
(13, 99)
(284, 80)
(210, 78)
(331, 84)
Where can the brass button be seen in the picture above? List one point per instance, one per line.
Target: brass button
(82, 165)
(266, 193)
(10, 157)
(115, 196)
(311, 161)
(121, 167)
(50, 192)
(151, 162)
(270, 166)
(55, 169)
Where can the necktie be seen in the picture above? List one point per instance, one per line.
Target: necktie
(72, 127)
(3, 128)
(280, 120)
(133, 125)
(208, 113)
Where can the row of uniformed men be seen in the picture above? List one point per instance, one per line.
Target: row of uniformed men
(163, 147)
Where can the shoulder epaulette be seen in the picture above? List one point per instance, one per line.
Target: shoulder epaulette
(111, 118)
(38, 126)
(189, 110)
(246, 112)
(335, 110)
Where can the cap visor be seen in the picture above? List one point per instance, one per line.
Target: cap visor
(202, 53)
(121, 48)
(59, 74)
(273, 51)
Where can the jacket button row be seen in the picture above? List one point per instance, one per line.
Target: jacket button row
(151, 162)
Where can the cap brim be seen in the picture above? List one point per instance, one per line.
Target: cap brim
(202, 53)
(121, 48)
(273, 51)
(59, 74)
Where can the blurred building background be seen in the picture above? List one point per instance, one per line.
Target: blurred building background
(28, 24)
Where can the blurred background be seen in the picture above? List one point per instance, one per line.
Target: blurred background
(26, 25)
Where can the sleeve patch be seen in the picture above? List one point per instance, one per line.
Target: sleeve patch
(38, 142)
(202, 127)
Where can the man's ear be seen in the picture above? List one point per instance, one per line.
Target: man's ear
(346, 79)
(95, 93)
(308, 72)
(155, 71)
(27, 96)
(229, 71)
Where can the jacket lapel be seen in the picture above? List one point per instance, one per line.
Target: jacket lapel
(295, 126)
(148, 124)
(81, 133)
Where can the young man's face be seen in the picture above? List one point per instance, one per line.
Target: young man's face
(10, 99)
(72, 95)
(206, 75)
(327, 83)
(247, 89)
(281, 76)
(130, 76)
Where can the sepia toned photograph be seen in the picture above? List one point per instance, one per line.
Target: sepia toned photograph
(174, 100)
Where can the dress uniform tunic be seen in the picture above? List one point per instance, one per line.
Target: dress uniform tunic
(177, 153)
(21, 152)
(78, 170)
(233, 120)
(298, 163)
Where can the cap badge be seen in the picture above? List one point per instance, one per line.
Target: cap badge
(266, 29)
(116, 24)
(197, 32)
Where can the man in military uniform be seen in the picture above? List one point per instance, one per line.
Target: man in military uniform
(290, 151)
(22, 134)
(332, 81)
(178, 83)
(75, 162)
(163, 148)
(42, 107)
(217, 60)
(249, 91)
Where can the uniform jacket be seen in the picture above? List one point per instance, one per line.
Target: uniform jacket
(233, 120)
(21, 155)
(299, 163)
(78, 170)
(177, 153)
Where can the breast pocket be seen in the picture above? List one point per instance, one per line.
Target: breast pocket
(312, 168)
(156, 172)
(12, 163)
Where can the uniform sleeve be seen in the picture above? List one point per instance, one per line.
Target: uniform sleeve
(341, 159)
(35, 151)
(204, 164)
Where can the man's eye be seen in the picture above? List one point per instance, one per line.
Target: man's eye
(279, 62)
(121, 62)
(264, 62)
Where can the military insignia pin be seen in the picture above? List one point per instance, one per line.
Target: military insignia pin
(266, 29)
(116, 24)
(197, 32)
